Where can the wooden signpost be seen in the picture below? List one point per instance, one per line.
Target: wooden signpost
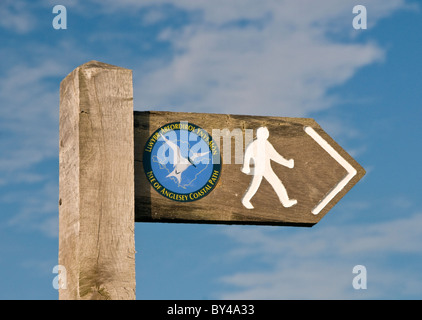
(319, 174)
(118, 166)
(96, 204)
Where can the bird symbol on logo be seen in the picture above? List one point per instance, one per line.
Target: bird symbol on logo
(181, 163)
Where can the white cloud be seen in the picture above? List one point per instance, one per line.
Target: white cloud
(29, 98)
(29, 114)
(16, 16)
(310, 280)
(37, 210)
(317, 263)
(249, 58)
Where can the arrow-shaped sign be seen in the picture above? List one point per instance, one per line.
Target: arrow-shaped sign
(233, 169)
(351, 172)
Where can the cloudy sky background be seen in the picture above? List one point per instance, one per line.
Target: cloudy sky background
(297, 58)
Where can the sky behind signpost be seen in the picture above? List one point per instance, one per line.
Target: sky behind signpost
(279, 58)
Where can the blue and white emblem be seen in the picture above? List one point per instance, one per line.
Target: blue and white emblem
(182, 162)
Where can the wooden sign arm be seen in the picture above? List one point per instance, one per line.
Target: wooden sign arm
(275, 156)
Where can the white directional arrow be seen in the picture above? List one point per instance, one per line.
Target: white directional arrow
(351, 172)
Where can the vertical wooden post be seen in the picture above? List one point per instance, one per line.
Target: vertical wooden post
(96, 198)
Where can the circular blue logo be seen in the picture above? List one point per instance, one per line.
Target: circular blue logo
(182, 162)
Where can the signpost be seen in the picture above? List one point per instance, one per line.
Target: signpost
(118, 166)
(96, 206)
(238, 169)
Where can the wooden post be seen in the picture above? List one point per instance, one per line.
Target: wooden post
(96, 198)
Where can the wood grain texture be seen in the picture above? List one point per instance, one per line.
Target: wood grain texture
(314, 175)
(96, 206)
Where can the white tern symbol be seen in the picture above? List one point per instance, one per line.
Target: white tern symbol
(179, 162)
(262, 152)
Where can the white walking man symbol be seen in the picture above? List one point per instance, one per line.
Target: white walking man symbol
(261, 151)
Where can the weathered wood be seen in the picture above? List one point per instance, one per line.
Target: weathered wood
(314, 175)
(96, 205)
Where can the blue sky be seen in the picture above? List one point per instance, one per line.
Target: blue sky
(281, 58)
